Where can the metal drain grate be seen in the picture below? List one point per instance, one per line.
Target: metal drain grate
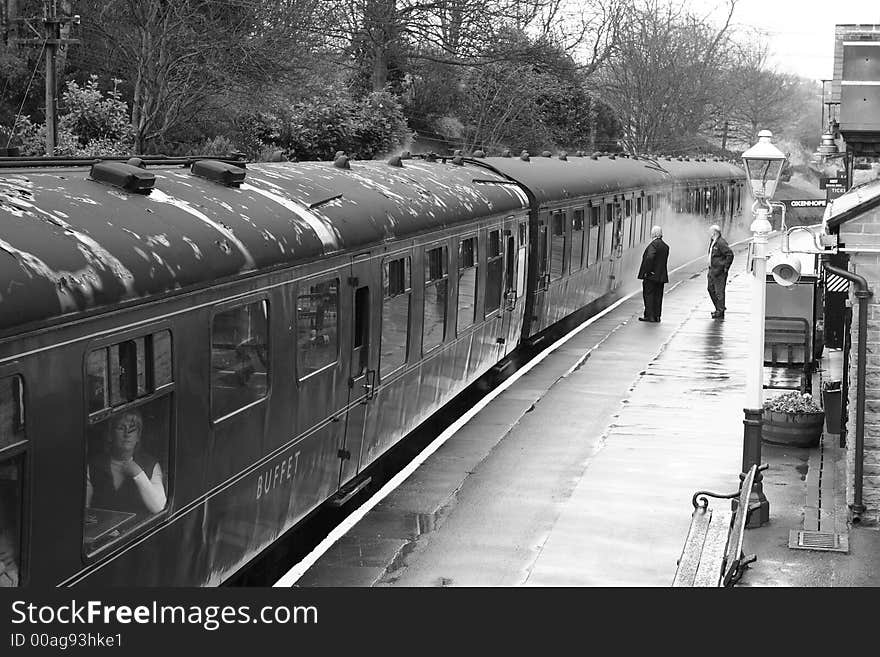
(812, 540)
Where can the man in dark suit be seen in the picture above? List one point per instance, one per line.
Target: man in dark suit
(720, 259)
(653, 275)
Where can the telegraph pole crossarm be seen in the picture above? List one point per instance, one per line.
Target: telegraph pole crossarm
(50, 40)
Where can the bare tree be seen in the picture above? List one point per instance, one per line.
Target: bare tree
(754, 96)
(458, 32)
(176, 57)
(664, 73)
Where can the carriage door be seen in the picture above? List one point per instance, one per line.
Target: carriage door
(514, 249)
(539, 250)
(363, 325)
(616, 227)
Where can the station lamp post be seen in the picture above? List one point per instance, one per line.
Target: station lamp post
(763, 163)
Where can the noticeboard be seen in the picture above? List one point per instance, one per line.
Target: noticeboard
(826, 181)
(833, 191)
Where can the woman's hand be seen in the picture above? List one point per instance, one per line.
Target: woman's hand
(131, 468)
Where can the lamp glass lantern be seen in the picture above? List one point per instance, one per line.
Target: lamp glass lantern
(763, 163)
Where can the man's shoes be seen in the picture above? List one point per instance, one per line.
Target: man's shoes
(645, 319)
(718, 315)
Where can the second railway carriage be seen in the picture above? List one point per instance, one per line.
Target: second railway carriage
(267, 334)
(592, 218)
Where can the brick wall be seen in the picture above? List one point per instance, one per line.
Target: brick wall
(864, 231)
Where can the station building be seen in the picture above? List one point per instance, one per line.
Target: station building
(855, 219)
(851, 164)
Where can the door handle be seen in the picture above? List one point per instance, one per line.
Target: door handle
(510, 300)
(370, 385)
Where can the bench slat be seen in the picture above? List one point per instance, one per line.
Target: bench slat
(693, 546)
(709, 570)
(734, 548)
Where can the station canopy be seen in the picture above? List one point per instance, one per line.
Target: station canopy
(854, 202)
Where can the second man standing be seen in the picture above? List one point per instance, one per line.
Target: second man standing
(653, 275)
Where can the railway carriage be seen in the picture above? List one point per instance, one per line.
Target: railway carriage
(592, 218)
(268, 333)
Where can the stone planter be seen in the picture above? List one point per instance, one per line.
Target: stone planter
(794, 429)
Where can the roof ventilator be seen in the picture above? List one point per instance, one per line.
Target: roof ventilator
(341, 162)
(395, 161)
(595, 156)
(219, 172)
(459, 160)
(431, 157)
(125, 176)
(524, 156)
(546, 154)
(506, 153)
(479, 154)
(136, 162)
(563, 156)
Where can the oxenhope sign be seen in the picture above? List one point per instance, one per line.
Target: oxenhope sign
(806, 203)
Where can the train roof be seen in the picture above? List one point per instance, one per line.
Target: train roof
(70, 244)
(701, 170)
(551, 178)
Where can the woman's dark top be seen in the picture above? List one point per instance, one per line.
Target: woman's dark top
(127, 498)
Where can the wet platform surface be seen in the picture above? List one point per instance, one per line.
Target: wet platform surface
(581, 472)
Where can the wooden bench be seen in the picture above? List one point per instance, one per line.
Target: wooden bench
(712, 554)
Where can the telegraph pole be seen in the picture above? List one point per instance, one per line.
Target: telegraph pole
(52, 35)
(50, 39)
(11, 24)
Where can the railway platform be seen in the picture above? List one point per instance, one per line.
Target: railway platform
(580, 471)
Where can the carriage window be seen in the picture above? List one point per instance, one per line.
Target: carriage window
(521, 262)
(494, 272)
(436, 290)
(128, 370)
(11, 411)
(10, 521)
(557, 245)
(609, 230)
(639, 228)
(595, 244)
(129, 433)
(395, 314)
(627, 231)
(577, 240)
(11, 433)
(127, 472)
(317, 329)
(239, 357)
(467, 283)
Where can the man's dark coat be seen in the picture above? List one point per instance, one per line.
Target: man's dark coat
(654, 262)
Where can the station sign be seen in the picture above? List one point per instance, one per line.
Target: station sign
(825, 181)
(833, 191)
(806, 203)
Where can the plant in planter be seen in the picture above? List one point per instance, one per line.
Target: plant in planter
(792, 419)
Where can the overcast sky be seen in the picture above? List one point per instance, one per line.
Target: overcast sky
(801, 32)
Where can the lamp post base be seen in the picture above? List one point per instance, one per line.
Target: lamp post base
(760, 514)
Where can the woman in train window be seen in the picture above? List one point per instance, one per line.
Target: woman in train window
(125, 478)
